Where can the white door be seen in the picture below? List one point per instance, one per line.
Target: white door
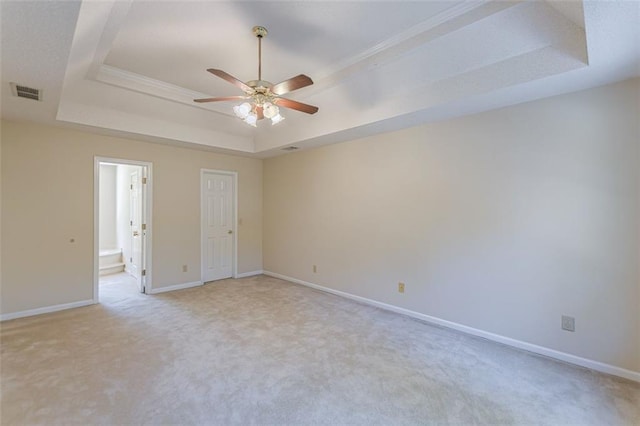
(217, 226)
(135, 215)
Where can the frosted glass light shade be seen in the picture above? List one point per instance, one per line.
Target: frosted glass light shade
(246, 112)
(276, 119)
(242, 110)
(251, 119)
(270, 110)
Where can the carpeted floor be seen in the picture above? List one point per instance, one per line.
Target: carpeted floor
(264, 351)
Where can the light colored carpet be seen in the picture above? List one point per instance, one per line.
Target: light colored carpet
(264, 351)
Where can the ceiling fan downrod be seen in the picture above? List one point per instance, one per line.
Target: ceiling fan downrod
(260, 32)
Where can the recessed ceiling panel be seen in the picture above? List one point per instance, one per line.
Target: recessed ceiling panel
(176, 42)
(134, 67)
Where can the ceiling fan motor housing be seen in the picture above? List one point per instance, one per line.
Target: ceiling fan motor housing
(259, 85)
(259, 31)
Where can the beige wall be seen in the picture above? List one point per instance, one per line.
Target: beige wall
(502, 221)
(47, 200)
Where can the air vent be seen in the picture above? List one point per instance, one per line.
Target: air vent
(26, 92)
(290, 148)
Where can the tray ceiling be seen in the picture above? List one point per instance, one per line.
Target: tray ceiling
(133, 68)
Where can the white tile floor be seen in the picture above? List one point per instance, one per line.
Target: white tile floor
(114, 288)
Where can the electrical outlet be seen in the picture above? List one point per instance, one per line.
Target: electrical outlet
(400, 287)
(184, 268)
(315, 269)
(568, 323)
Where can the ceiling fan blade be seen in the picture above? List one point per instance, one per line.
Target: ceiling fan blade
(224, 98)
(231, 79)
(299, 106)
(294, 83)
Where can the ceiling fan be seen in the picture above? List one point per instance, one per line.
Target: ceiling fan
(265, 97)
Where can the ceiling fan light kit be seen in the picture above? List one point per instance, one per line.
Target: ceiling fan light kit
(264, 98)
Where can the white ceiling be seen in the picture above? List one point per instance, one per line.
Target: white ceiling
(133, 68)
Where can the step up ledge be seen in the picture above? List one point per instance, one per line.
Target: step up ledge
(111, 265)
(114, 269)
(109, 252)
(111, 259)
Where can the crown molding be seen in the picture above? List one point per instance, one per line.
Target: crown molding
(139, 83)
(403, 42)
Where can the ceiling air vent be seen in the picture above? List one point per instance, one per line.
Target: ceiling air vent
(290, 148)
(26, 92)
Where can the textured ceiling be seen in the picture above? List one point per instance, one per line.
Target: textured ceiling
(133, 68)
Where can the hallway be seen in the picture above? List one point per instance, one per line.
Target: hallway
(117, 288)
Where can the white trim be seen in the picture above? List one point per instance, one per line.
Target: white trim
(175, 287)
(541, 350)
(134, 79)
(234, 179)
(249, 274)
(147, 216)
(142, 84)
(96, 227)
(45, 310)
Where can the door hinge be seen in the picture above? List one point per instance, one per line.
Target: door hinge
(144, 226)
(144, 180)
(144, 289)
(131, 222)
(131, 259)
(131, 186)
(144, 272)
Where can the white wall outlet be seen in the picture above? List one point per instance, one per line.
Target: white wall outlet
(568, 323)
(184, 268)
(315, 269)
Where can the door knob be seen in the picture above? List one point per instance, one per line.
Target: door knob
(229, 232)
(136, 233)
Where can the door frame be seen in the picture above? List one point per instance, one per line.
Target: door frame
(146, 200)
(140, 266)
(234, 215)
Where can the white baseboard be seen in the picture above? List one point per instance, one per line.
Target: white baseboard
(45, 310)
(249, 274)
(541, 350)
(175, 287)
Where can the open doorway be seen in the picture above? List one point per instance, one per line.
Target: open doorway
(122, 229)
